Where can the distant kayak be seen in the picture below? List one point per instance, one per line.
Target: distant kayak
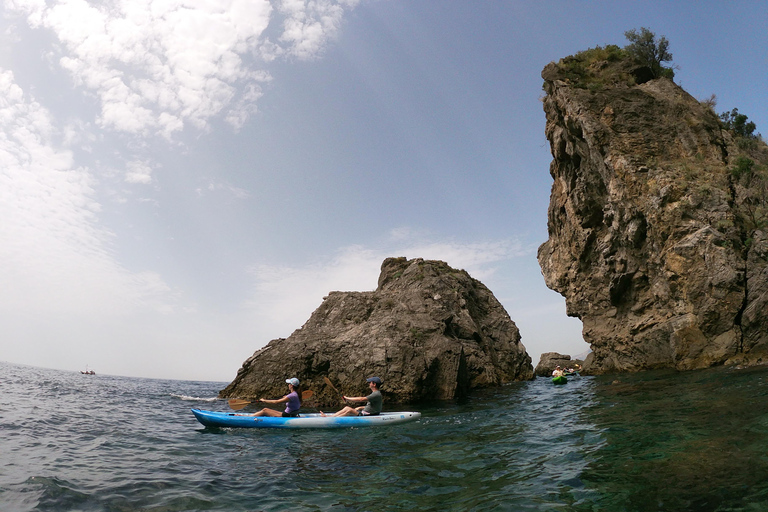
(559, 380)
(311, 420)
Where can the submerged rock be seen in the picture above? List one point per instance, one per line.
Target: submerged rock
(428, 331)
(657, 221)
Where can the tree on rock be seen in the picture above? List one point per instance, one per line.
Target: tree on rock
(737, 122)
(650, 51)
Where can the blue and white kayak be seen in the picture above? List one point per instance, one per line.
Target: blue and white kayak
(311, 420)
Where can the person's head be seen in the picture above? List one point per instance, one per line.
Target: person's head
(557, 368)
(374, 382)
(293, 383)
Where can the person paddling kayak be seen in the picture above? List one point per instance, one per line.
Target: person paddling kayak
(372, 408)
(558, 372)
(291, 400)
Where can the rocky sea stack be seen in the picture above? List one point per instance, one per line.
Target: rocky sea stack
(550, 360)
(428, 331)
(657, 219)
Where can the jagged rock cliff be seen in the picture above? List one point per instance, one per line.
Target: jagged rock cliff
(428, 331)
(657, 220)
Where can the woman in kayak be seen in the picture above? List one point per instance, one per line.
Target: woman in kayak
(372, 408)
(558, 372)
(292, 402)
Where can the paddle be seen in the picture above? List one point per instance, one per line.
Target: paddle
(328, 381)
(237, 403)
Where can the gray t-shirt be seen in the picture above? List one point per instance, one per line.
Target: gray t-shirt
(375, 401)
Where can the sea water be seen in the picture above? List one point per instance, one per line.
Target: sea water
(650, 441)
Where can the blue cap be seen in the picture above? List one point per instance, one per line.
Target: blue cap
(374, 379)
(294, 381)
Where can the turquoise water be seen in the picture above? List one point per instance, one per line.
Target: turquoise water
(654, 441)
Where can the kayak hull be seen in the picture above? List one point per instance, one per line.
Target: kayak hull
(312, 420)
(559, 380)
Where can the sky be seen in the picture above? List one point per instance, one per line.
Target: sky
(183, 181)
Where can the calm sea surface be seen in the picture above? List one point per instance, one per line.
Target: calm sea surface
(654, 441)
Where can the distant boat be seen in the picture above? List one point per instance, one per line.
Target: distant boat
(87, 371)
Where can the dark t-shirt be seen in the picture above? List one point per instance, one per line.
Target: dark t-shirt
(375, 402)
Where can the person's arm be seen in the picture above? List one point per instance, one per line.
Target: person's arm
(356, 398)
(276, 401)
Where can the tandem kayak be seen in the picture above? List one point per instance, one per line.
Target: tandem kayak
(311, 420)
(559, 380)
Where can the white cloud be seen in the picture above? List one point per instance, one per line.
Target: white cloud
(158, 65)
(78, 133)
(55, 258)
(237, 192)
(309, 24)
(138, 172)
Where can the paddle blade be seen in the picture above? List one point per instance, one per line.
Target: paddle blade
(236, 404)
(305, 395)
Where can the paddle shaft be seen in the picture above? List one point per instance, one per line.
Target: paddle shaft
(328, 381)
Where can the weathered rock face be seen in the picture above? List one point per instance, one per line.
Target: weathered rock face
(428, 331)
(657, 238)
(550, 360)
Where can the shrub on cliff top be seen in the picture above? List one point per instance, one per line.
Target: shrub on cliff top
(650, 51)
(599, 66)
(593, 68)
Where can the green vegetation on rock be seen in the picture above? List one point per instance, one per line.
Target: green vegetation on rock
(593, 69)
(738, 123)
(638, 62)
(650, 51)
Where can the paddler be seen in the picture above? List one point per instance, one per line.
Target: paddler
(558, 372)
(371, 408)
(291, 400)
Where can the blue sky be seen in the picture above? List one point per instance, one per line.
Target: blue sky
(181, 182)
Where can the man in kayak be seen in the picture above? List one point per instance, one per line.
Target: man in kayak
(291, 400)
(372, 408)
(558, 372)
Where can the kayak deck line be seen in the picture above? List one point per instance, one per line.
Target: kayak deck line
(309, 420)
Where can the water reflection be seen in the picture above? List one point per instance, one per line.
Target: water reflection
(679, 441)
(519, 448)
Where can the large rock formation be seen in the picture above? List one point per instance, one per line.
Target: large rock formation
(657, 220)
(428, 331)
(551, 360)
